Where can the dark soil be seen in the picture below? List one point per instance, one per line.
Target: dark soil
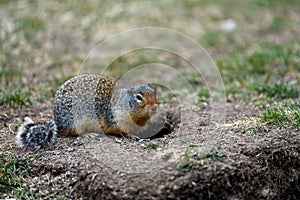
(261, 165)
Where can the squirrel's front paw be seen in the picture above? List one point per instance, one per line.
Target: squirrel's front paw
(136, 138)
(90, 134)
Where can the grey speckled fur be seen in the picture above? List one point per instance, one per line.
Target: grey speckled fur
(85, 96)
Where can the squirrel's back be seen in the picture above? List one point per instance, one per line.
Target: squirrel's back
(82, 105)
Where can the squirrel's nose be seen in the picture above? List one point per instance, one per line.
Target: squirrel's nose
(153, 109)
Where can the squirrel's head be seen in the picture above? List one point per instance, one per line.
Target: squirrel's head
(143, 103)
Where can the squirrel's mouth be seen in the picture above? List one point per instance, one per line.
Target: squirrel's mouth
(153, 109)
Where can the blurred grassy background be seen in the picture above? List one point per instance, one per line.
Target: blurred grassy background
(255, 43)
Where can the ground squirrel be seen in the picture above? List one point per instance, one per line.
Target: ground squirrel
(91, 104)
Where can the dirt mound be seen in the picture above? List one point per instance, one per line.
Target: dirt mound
(264, 165)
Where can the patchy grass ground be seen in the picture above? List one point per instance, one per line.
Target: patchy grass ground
(254, 154)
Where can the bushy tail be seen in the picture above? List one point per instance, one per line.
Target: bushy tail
(36, 135)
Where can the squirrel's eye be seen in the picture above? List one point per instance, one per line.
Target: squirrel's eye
(139, 98)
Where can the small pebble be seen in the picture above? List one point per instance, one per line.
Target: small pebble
(70, 149)
(118, 140)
